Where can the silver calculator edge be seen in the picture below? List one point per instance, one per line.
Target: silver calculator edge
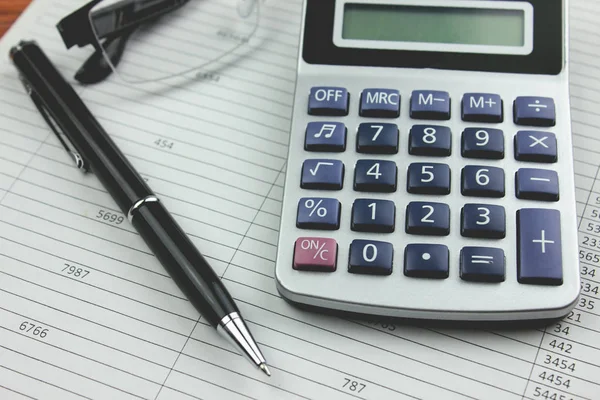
(451, 298)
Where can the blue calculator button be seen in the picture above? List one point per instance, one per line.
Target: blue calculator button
(426, 261)
(430, 140)
(318, 213)
(482, 264)
(536, 146)
(325, 136)
(381, 103)
(486, 143)
(424, 218)
(537, 184)
(371, 257)
(539, 255)
(428, 178)
(377, 138)
(324, 100)
(322, 174)
(375, 176)
(430, 104)
(482, 107)
(483, 221)
(482, 181)
(370, 215)
(534, 111)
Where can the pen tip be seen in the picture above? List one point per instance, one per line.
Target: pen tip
(265, 369)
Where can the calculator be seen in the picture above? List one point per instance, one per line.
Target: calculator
(430, 170)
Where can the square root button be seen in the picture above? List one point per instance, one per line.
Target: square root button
(315, 254)
(539, 255)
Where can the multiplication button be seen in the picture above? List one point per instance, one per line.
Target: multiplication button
(536, 146)
(539, 254)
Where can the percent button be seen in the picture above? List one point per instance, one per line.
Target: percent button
(318, 213)
(315, 254)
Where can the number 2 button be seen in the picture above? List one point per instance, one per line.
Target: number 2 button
(375, 176)
(428, 178)
(428, 218)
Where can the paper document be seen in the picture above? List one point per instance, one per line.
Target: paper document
(87, 312)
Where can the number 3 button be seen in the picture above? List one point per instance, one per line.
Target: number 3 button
(483, 221)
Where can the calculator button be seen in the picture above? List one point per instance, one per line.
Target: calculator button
(482, 264)
(534, 111)
(537, 184)
(325, 136)
(318, 213)
(428, 218)
(539, 254)
(315, 254)
(324, 100)
(536, 146)
(429, 178)
(430, 104)
(377, 138)
(483, 221)
(370, 215)
(375, 176)
(322, 174)
(482, 181)
(486, 143)
(426, 261)
(371, 257)
(482, 107)
(381, 103)
(430, 140)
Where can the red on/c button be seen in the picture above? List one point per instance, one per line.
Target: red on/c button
(315, 254)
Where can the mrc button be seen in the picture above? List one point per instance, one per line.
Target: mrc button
(327, 100)
(380, 103)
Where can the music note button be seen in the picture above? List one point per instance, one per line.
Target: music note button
(325, 136)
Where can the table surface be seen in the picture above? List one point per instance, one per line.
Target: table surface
(9, 11)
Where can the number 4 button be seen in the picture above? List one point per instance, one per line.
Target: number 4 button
(483, 221)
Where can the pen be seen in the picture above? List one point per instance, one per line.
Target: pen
(92, 149)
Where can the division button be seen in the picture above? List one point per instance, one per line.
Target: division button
(539, 255)
(534, 111)
(315, 254)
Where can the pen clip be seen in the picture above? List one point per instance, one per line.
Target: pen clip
(62, 137)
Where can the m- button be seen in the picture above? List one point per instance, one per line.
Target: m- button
(539, 254)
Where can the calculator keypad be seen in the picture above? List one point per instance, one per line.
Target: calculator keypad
(322, 174)
(430, 140)
(375, 176)
(377, 138)
(428, 178)
(482, 181)
(426, 261)
(371, 257)
(325, 136)
(370, 215)
(375, 209)
(426, 218)
(482, 107)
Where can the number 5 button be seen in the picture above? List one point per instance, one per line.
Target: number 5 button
(483, 221)
(428, 178)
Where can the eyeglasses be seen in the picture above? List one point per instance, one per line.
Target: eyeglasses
(166, 38)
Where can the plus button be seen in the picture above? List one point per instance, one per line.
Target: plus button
(490, 102)
(543, 241)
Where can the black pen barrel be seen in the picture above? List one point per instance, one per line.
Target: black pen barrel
(69, 112)
(183, 261)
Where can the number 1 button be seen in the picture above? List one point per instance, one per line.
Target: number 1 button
(375, 176)
(373, 216)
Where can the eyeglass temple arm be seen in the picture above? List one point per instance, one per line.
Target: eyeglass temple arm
(119, 19)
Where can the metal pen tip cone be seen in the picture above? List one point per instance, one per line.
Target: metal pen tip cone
(265, 369)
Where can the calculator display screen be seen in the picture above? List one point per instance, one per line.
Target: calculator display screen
(450, 25)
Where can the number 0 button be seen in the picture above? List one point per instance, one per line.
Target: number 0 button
(375, 176)
(428, 178)
(371, 257)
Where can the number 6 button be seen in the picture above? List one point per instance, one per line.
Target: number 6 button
(371, 257)
(483, 221)
(482, 181)
(375, 176)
